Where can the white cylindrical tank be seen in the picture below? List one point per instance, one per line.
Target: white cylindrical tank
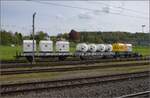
(28, 45)
(101, 47)
(108, 47)
(62, 46)
(92, 47)
(46, 46)
(82, 47)
(129, 47)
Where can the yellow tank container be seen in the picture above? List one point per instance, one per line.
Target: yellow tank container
(119, 47)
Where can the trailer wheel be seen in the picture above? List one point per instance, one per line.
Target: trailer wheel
(82, 58)
(129, 55)
(135, 55)
(61, 58)
(29, 58)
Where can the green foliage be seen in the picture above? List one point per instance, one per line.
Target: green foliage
(72, 46)
(8, 38)
(62, 36)
(19, 38)
(40, 36)
(53, 38)
(112, 37)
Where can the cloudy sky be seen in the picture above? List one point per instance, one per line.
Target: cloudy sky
(56, 17)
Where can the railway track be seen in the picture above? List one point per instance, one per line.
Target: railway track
(73, 62)
(8, 89)
(138, 94)
(12, 71)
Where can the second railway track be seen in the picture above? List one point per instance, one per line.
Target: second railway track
(12, 71)
(8, 89)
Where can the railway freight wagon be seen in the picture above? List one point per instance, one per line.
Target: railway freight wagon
(62, 50)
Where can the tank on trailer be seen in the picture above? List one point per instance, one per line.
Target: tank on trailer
(82, 47)
(129, 47)
(100, 47)
(62, 46)
(108, 47)
(46, 46)
(28, 46)
(119, 47)
(92, 48)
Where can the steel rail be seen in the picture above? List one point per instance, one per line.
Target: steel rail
(72, 68)
(135, 94)
(7, 89)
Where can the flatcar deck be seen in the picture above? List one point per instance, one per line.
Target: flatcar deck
(81, 55)
(57, 54)
(46, 54)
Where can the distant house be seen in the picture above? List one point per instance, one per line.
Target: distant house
(74, 35)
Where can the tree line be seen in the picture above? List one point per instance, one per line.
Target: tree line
(114, 37)
(137, 38)
(8, 38)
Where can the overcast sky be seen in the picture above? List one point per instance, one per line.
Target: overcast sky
(56, 17)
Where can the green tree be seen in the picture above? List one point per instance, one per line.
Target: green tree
(7, 38)
(40, 36)
(19, 38)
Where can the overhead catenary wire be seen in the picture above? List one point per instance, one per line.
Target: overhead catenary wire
(47, 29)
(21, 27)
(127, 9)
(89, 9)
(27, 28)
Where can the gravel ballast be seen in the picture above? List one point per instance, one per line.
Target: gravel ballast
(100, 90)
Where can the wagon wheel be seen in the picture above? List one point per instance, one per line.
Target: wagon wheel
(29, 58)
(82, 58)
(61, 58)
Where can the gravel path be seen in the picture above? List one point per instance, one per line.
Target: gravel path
(105, 90)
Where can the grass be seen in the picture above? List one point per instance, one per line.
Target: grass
(8, 52)
(144, 50)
